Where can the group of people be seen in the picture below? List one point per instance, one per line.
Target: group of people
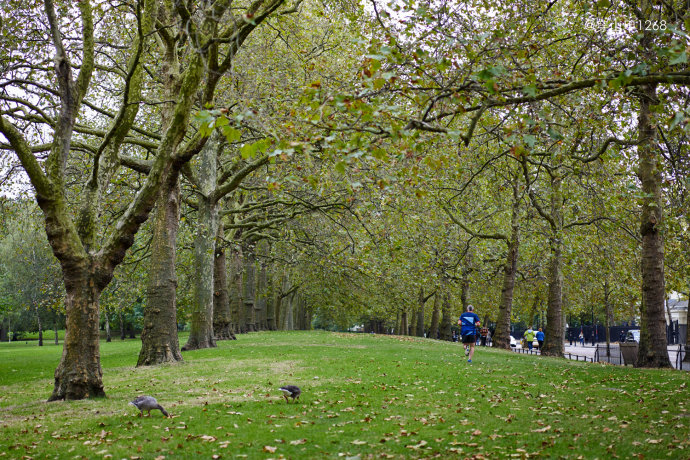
(470, 331)
(530, 335)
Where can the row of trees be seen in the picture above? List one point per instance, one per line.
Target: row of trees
(354, 161)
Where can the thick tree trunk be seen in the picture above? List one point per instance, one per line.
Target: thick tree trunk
(420, 314)
(435, 314)
(108, 335)
(445, 332)
(79, 374)
(159, 341)
(201, 330)
(248, 290)
(652, 351)
(261, 296)
(288, 312)
(501, 337)
(122, 324)
(235, 290)
(403, 322)
(553, 342)
(222, 321)
(40, 328)
(271, 324)
(413, 322)
(608, 313)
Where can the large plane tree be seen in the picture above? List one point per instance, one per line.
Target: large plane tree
(93, 103)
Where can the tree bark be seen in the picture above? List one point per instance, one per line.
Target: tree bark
(122, 324)
(271, 320)
(433, 330)
(108, 335)
(40, 328)
(222, 321)
(201, 330)
(261, 298)
(79, 374)
(501, 337)
(413, 322)
(420, 313)
(248, 289)
(159, 340)
(445, 332)
(608, 313)
(553, 343)
(652, 351)
(235, 290)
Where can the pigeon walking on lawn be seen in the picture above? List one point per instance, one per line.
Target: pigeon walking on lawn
(147, 403)
(290, 391)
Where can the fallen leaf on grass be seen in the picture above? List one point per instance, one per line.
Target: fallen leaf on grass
(208, 438)
(421, 443)
(542, 430)
(297, 442)
(270, 449)
(357, 442)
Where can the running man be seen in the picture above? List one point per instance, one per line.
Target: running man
(469, 322)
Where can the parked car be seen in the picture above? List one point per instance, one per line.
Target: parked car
(633, 335)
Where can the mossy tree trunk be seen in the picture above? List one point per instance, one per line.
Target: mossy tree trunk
(248, 291)
(222, 319)
(201, 328)
(159, 340)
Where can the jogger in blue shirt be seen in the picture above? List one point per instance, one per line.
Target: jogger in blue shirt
(469, 322)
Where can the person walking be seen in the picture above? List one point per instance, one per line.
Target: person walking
(469, 322)
(483, 334)
(540, 338)
(529, 337)
(582, 339)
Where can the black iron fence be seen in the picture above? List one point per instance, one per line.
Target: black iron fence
(619, 354)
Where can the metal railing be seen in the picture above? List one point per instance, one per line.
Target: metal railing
(614, 355)
(577, 357)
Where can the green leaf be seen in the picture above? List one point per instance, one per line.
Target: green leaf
(681, 58)
(529, 140)
(553, 134)
(530, 90)
(680, 116)
(231, 134)
(248, 150)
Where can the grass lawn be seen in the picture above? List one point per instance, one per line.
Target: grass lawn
(363, 396)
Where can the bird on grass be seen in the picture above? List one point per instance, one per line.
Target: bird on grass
(290, 391)
(147, 403)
